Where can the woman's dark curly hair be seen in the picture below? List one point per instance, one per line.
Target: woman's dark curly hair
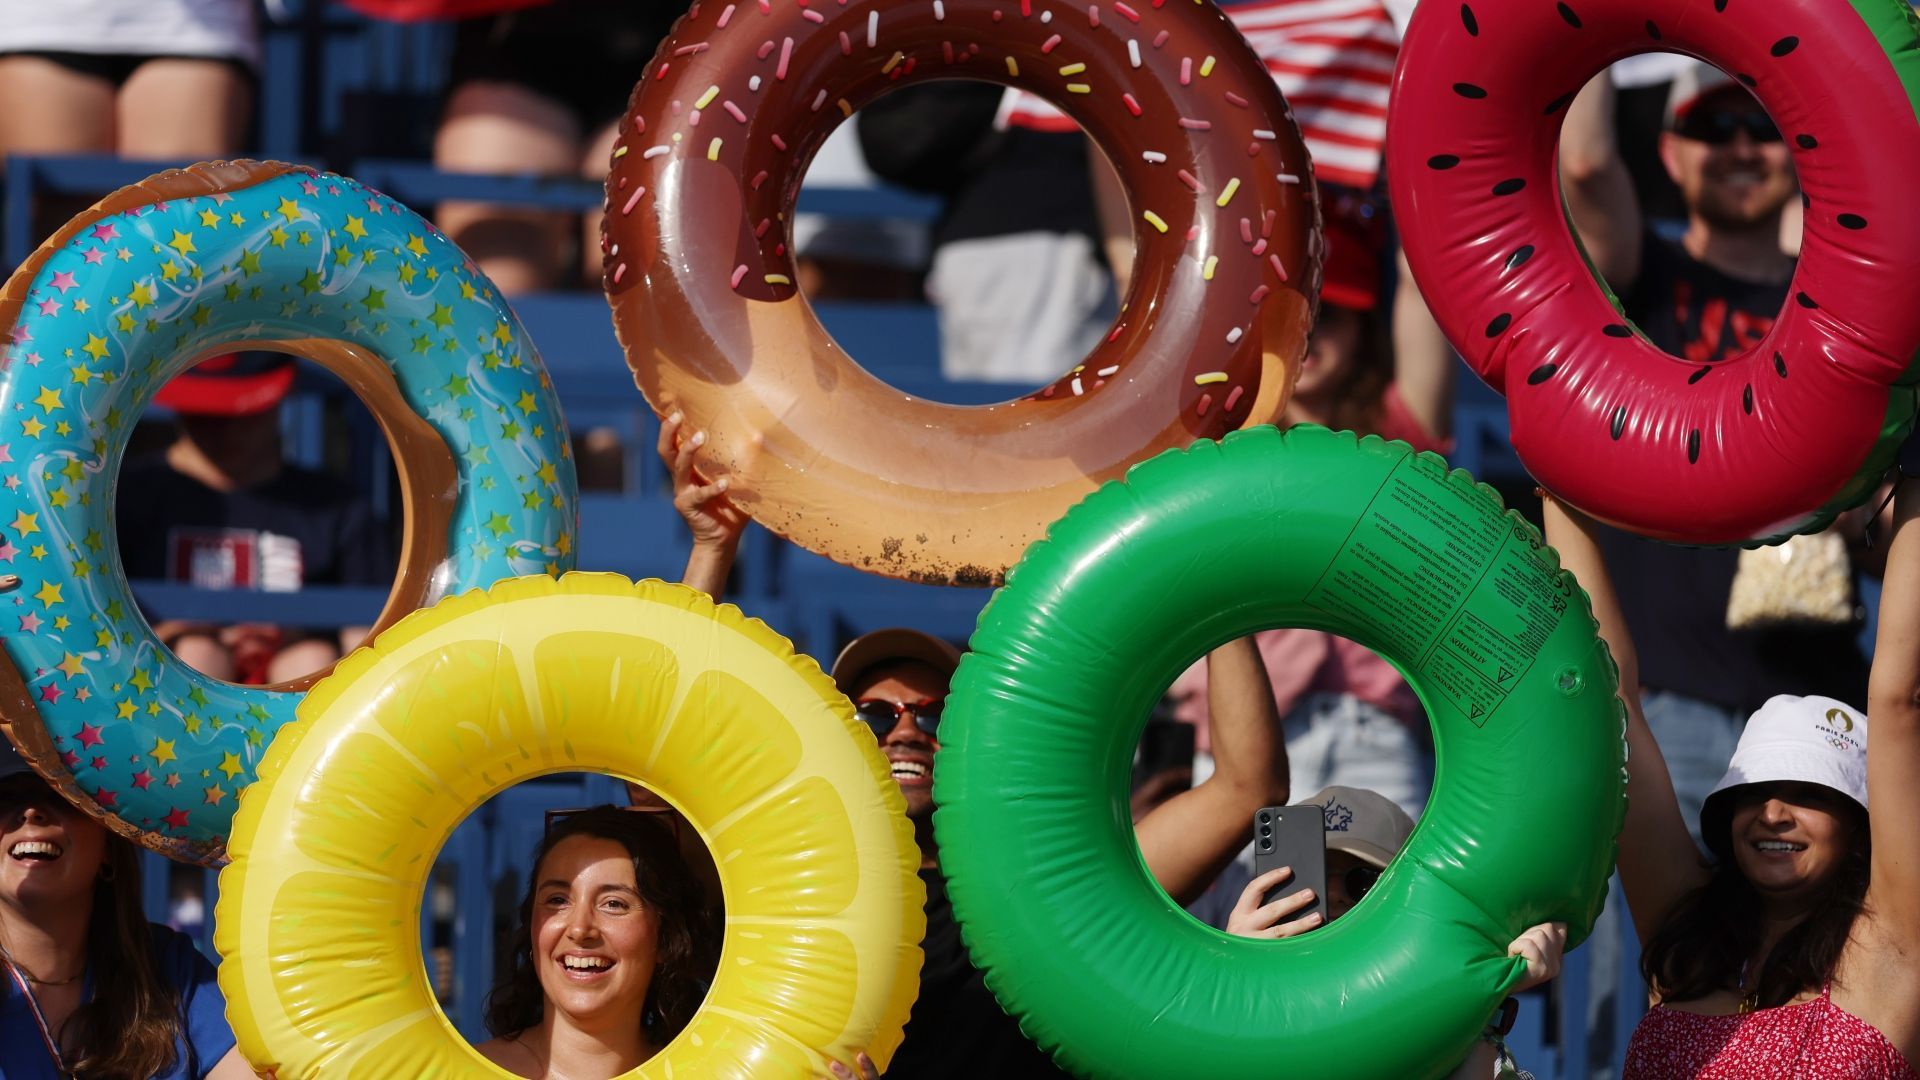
(687, 951)
(1705, 944)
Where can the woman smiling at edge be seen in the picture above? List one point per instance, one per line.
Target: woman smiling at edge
(88, 988)
(1791, 954)
(614, 948)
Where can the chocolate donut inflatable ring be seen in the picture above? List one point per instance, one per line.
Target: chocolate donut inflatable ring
(1773, 441)
(701, 280)
(157, 276)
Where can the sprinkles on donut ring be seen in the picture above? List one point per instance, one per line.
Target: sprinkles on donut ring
(701, 280)
(1773, 441)
(198, 262)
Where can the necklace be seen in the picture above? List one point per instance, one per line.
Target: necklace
(21, 970)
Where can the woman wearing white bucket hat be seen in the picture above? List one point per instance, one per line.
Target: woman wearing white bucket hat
(1790, 953)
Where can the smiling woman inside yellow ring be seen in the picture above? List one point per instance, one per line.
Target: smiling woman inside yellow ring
(319, 909)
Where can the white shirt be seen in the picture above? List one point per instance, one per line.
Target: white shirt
(216, 29)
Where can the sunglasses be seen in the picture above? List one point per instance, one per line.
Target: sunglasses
(1359, 879)
(666, 815)
(1717, 127)
(884, 716)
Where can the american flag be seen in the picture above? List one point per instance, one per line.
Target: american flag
(1333, 61)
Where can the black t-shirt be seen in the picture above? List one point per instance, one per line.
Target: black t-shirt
(1675, 598)
(957, 1029)
(300, 528)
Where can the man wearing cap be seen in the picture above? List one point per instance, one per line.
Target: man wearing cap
(221, 509)
(898, 679)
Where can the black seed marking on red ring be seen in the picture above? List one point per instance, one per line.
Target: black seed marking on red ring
(1785, 45)
(1508, 187)
(1719, 5)
(1747, 79)
(1804, 300)
(1525, 252)
(1499, 324)
(1467, 20)
(1443, 161)
(1851, 221)
(1468, 90)
(1693, 447)
(1780, 364)
(1806, 200)
(1807, 142)
(1619, 421)
(1558, 103)
(1619, 330)
(1567, 13)
(1746, 400)
(1652, 30)
(1541, 374)
(1698, 375)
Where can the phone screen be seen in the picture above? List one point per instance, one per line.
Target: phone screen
(1294, 836)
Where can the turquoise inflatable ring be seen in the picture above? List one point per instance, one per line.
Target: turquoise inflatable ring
(158, 276)
(1311, 528)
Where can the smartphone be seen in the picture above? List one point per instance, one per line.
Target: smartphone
(1293, 836)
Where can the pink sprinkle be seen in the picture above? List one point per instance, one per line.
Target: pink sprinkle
(739, 275)
(760, 230)
(1026, 9)
(640, 125)
(1206, 402)
(846, 44)
(693, 118)
(724, 16)
(779, 250)
(1132, 105)
(1261, 247)
(766, 48)
(1196, 125)
(779, 143)
(1266, 224)
(819, 99)
(693, 12)
(1160, 38)
(1188, 179)
(1236, 99)
(1246, 231)
(1233, 398)
(1186, 70)
(996, 14)
(691, 50)
(734, 111)
(759, 178)
(661, 73)
(1048, 45)
(766, 8)
(1093, 15)
(1258, 294)
(619, 272)
(813, 16)
(623, 183)
(786, 54)
(946, 51)
(1277, 268)
(1130, 14)
(1115, 336)
(1193, 233)
(632, 199)
(1253, 149)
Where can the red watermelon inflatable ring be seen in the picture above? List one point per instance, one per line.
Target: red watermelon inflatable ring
(1771, 442)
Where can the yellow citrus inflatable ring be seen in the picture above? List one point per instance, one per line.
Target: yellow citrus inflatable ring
(319, 912)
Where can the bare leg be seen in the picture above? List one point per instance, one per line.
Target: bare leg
(184, 109)
(495, 127)
(70, 112)
(204, 654)
(301, 658)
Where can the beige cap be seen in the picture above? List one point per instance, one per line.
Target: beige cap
(896, 643)
(1362, 823)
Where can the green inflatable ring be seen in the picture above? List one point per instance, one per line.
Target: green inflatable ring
(1310, 528)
